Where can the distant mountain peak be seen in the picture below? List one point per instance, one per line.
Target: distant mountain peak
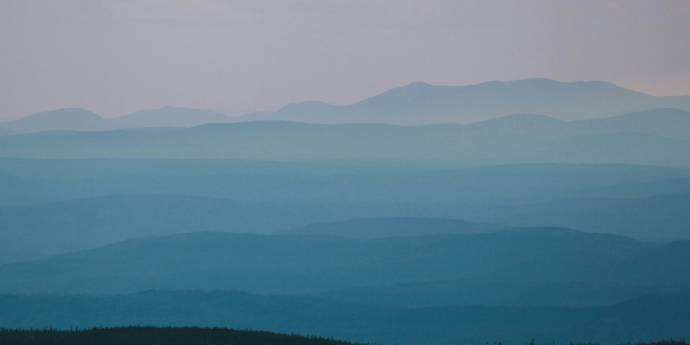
(418, 84)
(80, 119)
(58, 119)
(420, 102)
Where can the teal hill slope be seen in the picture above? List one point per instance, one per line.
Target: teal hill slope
(78, 119)
(305, 264)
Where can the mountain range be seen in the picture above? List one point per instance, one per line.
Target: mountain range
(513, 139)
(77, 119)
(501, 212)
(414, 104)
(422, 103)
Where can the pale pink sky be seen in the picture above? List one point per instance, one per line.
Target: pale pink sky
(115, 57)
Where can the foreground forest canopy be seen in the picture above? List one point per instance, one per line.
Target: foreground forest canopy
(157, 336)
(178, 336)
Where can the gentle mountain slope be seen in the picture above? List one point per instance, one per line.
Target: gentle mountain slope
(647, 318)
(54, 206)
(284, 264)
(61, 119)
(369, 228)
(669, 122)
(34, 231)
(490, 293)
(77, 119)
(421, 103)
(663, 217)
(515, 139)
(30, 232)
(37, 181)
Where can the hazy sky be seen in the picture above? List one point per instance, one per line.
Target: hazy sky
(117, 56)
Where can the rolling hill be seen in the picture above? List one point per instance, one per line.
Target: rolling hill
(370, 228)
(74, 119)
(37, 230)
(34, 231)
(77, 119)
(40, 181)
(303, 264)
(672, 123)
(517, 139)
(31, 232)
(657, 218)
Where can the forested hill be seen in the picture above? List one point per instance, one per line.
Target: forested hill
(157, 336)
(179, 336)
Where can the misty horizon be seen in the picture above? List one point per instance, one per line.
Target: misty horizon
(238, 56)
(278, 107)
(306, 172)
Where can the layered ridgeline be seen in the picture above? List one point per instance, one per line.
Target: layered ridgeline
(526, 266)
(414, 104)
(421, 103)
(35, 231)
(28, 181)
(55, 206)
(660, 137)
(77, 119)
(371, 232)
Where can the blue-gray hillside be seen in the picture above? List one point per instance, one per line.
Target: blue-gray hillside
(39, 181)
(54, 206)
(33, 231)
(301, 264)
(369, 228)
(77, 119)
(514, 139)
(659, 217)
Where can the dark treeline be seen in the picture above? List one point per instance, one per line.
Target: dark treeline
(181, 336)
(157, 336)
